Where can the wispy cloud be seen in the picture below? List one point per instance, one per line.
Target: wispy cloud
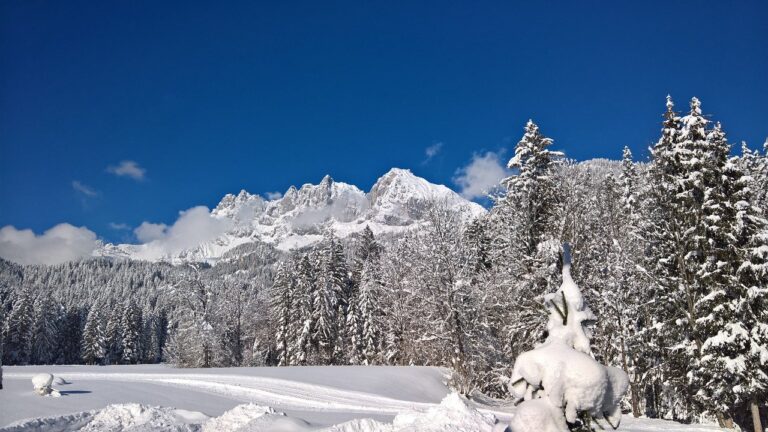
(273, 195)
(119, 226)
(148, 231)
(128, 168)
(59, 244)
(84, 189)
(193, 227)
(432, 151)
(481, 175)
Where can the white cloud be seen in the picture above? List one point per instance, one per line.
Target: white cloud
(148, 231)
(59, 244)
(273, 195)
(119, 226)
(432, 151)
(193, 227)
(481, 175)
(84, 189)
(127, 168)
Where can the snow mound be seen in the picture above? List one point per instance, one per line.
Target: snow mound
(42, 381)
(137, 418)
(237, 419)
(538, 415)
(454, 414)
(130, 417)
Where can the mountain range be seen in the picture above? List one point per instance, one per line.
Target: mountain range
(395, 203)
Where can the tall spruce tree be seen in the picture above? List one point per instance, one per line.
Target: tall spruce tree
(94, 348)
(282, 302)
(131, 325)
(523, 236)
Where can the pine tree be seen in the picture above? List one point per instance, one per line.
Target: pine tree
(302, 323)
(523, 232)
(661, 229)
(130, 329)
(70, 328)
(18, 329)
(730, 371)
(283, 292)
(330, 301)
(44, 331)
(113, 338)
(370, 313)
(93, 348)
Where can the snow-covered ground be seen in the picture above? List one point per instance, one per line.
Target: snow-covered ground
(154, 397)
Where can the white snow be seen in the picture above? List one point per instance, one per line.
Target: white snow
(41, 383)
(339, 399)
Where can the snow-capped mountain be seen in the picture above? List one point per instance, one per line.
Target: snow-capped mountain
(395, 203)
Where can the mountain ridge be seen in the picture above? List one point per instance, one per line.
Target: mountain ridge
(395, 203)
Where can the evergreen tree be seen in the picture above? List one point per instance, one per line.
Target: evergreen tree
(130, 330)
(523, 231)
(330, 300)
(18, 329)
(303, 321)
(283, 292)
(44, 331)
(94, 348)
(370, 313)
(113, 338)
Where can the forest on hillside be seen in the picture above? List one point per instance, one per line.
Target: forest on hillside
(671, 254)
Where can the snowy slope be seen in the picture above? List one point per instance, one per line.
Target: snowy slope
(395, 203)
(354, 399)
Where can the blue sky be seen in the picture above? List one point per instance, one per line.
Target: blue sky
(207, 98)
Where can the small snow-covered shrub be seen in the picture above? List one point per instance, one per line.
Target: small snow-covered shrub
(559, 382)
(42, 383)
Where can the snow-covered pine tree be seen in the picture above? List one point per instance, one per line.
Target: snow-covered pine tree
(302, 323)
(561, 386)
(367, 250)
(44, 331)
(370, 312)
(113, 337)
(70, 328)
(93, 337)
(730, 372)
(660, 230)
(18, 328)
(707, 257)
(130, 329)
(522, 230)
(330, 301)
(282, 302)
(353, 331)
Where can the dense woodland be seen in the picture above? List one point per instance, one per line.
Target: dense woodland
(672, 255)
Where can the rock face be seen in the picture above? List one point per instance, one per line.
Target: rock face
(395, 203)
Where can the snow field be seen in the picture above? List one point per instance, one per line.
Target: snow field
(332, 399)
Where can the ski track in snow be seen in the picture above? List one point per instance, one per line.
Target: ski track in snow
(279, 393)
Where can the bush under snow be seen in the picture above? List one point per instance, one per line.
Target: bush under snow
(559, 381)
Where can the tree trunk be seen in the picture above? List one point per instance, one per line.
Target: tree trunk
(725, 421)
(756, 424)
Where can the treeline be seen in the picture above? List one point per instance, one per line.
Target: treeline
(671, 254)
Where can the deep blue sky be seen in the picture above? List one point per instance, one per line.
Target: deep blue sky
(212, 97)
